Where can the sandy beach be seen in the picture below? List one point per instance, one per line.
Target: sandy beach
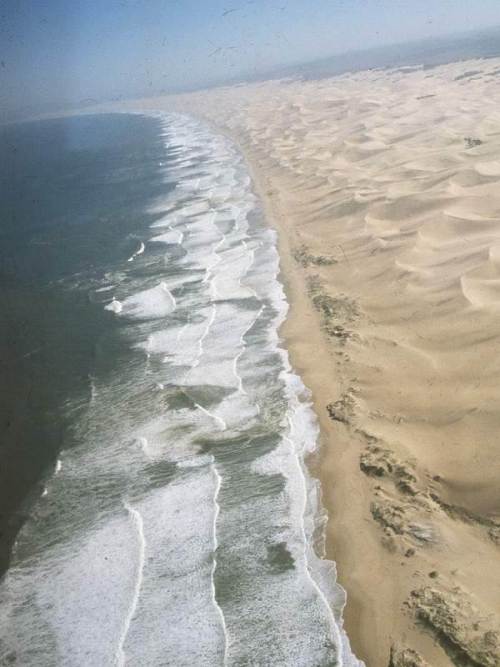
(384, 187)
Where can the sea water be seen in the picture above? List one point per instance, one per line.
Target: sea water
(178, 524)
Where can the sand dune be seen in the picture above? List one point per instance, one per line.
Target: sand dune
(385, 188)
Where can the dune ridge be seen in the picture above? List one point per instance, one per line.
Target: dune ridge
(385, 189)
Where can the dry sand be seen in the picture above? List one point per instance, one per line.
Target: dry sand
(385, 189)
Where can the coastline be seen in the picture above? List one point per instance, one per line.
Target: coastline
(292, 333)
(302, 337)
(352, 540)
(382, 186)
(301, 334)
(307, 585)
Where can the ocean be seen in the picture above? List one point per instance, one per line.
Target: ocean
(424, 53)
(160, 511)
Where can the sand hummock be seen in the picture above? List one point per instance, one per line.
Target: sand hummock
(385, 189)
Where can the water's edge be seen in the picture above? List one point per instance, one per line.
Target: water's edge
(324, 569)
(318, 547)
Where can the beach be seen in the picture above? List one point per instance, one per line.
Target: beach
(383, 187)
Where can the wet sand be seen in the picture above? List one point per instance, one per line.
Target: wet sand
(385, 189)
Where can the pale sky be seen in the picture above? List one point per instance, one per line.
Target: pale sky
(57, 52)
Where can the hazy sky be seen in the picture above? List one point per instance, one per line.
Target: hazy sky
(64, 51)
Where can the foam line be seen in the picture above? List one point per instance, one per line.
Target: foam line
(213, 288)
(238, 377)
(252, 259)
(164, 287)
(242, 349)
(214, 250)
(204, 335)
(218, 482)
(181, 235)
(139, 526)
(220, 421)
(305, 545)
(172, 297)
(174, 236)
(137, 252)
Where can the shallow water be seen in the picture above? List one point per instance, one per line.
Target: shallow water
(182, 528)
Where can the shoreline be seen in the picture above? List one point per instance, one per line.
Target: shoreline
(301, 335)
(302, 322)
(299, 311)
(376, 641)
(382, 187)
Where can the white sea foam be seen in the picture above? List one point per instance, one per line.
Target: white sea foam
(150, 303)
(115, 306)
(236, 359)
(144, 444)
(139, 251)
(218, 483)
(234, 264)
(196, 461)
(160, 342)
(68, 608)
(213, 312)
(173, 237)
(141, 557)
(177, 620)
(221, 423)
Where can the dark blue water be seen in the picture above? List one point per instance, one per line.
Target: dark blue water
(73, 194)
